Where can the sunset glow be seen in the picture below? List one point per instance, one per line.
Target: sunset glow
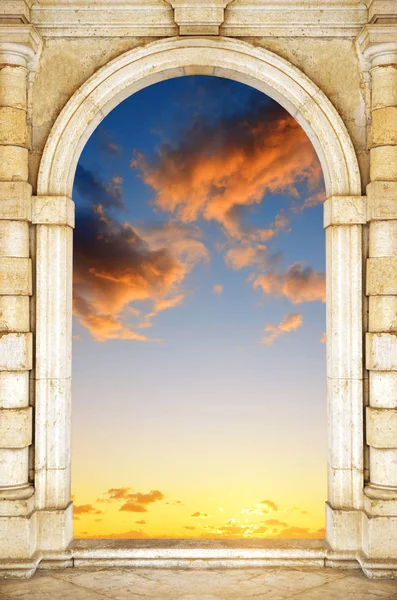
(199, 316)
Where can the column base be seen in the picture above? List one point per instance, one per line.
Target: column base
(54, 529)
(378, 568)
(18, 568)
(343, 528)
(379, 537)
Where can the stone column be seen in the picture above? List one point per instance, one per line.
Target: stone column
(379, 47)
(18, 46)
(53, 217)
(344, 217)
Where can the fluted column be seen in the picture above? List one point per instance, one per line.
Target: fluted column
(379, 47)
(18, 47)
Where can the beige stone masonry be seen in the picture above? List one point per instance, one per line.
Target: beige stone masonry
(14, 313)
(13, 163)
(382, 276)
(384, 126)
(384, 88)
(14, 239)
(345, 210)
(384, 163)
(382, 427)
(381, 351)
(52, 210)
(383, 313)
(16, 203)
(12, 89)
(16, 427)
(382, 200)
(15, 351)
(383, 389)
(15, 276)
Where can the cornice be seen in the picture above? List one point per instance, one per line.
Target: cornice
(300, 18)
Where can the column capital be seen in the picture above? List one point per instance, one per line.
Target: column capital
(377, 43)
(20, 45)
(52, 210)
(345, 210)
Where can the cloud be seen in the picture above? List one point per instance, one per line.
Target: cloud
(124, 535)
(189, 527)
(141, 522)
(137, 502)
(298, 284)
(86, 509)
(107, 144)
(115, 494)
(94, 191)
(200, 515)
(309, 202)
(291, 322)
(217, 169)
(268, 505)
(115, 267)
(323, 338)
(218, 288)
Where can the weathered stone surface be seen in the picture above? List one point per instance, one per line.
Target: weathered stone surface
(13, 127)
(15, 200)
(384, 126)
(15, 276)
(13, 163)
(382, 200)
(16, 427)
(382, 427)
(382, 276)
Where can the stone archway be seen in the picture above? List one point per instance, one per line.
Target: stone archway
(344, 215)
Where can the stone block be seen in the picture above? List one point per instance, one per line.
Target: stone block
(382, 276)
(381, 427)
(383, 389)
(14, 314)
(15, 427)
(345, 210)
(382, 200)
(13, 164)
(54, 529)
(13, 127)
(383, 238)
(13, 467)
(382, 314)
(383, 466)
(14, 389)
(53, 210)
(381, 351)
(383, 163)
(343, 528)
(379, 536)
(384, 126)
(384, 86)
(15, 276)
(20, 534)
(14, 239)
(15, 351)
(15, 200)
(13, 86)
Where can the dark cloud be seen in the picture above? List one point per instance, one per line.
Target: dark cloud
(94, 191)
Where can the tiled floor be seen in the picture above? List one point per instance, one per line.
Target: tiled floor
(228, 584)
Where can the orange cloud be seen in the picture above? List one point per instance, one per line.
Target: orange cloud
(86, 509)
(201, 515)
(218, 288)
(217, 170)
(114, 267)
(323, 338)
(298, 284)
(269, 505)
(137, 502)
(290, 322)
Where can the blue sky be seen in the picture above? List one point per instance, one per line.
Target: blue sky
(204, 405)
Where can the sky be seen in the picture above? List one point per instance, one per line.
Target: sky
(199, 403)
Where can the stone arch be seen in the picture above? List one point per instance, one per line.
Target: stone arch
(344, 216)
(176, 57)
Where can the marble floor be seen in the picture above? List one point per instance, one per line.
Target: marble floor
(228, 584)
